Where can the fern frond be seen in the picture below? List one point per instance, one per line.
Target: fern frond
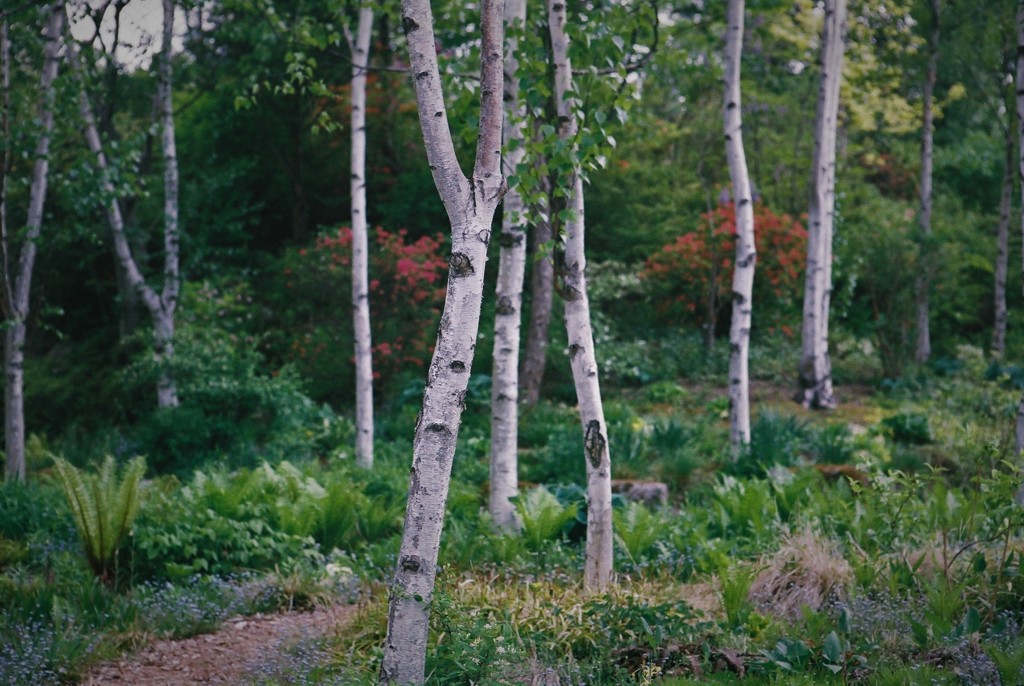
(103, 507)
(82, 503)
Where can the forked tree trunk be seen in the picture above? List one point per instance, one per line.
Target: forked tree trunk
(360, 245)
(470, 204)
(542, 278)
(923, 349)
(1003, 251)
(161, 307)
(511, 267)
(571, 272)
(815, 364)
(746, 251)
(16, 297)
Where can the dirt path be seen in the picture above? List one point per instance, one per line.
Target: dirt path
(223, 657)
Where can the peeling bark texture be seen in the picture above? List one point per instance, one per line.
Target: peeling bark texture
(542, 279)
(1003, 252)
(161, 306)
(815, 364)
(571, 267)
(923, 349)
(360, 245)
(16, 298)
(746, 250)
(470, 204)
(507, 321)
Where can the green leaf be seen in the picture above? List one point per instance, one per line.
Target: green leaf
(833, 647)
(845, 620)
(971, 623)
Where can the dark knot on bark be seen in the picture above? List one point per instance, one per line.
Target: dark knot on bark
(594, 443)
(460, 264)
(505, 306)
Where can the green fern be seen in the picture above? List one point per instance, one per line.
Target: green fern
(103, 507)
(543, 516)
(637, 529)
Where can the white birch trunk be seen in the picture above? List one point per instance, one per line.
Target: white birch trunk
(746, 251)
(161, 307)
(815, 364)
(923, 349)
(7, 159)
(360, 245)
(571, 268)
(16, 303)
(167, 390)
(511, 269)
(470, 204)
(1019, 86)
(1003, 253)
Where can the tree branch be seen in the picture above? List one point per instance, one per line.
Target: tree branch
(418, 22)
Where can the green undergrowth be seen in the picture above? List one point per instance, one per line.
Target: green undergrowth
(884, 549)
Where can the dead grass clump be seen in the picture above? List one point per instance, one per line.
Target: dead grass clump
(807, 571)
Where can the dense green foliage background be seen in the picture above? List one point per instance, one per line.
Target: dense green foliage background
(261, 126)
(250, 501)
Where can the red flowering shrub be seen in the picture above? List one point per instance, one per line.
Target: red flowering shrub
(407, 287)
(681, 275)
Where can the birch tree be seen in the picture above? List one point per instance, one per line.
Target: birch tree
(511, 268)
(570, 271)
(161, 306)
(746, 251)
(1020, 168)
(360, 244)
(1002, 249)
(815, 364)
(470, 204)
(923, 349)
(17, 278)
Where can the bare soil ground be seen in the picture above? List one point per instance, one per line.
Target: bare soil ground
(224, 657)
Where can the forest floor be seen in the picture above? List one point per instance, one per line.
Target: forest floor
(231, 655)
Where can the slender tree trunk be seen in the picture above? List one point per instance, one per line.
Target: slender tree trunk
(746, 251)
(16, 299)
(14, 400)
(470, 204)
(815, 364)
(14, 433)
(167, 390)
(511, 268)
(1019, 85)
(360, 247)
(6, 159)
(542, 278)
(161, 307)
(923, 350)
(572, 274)
(1002, 251)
